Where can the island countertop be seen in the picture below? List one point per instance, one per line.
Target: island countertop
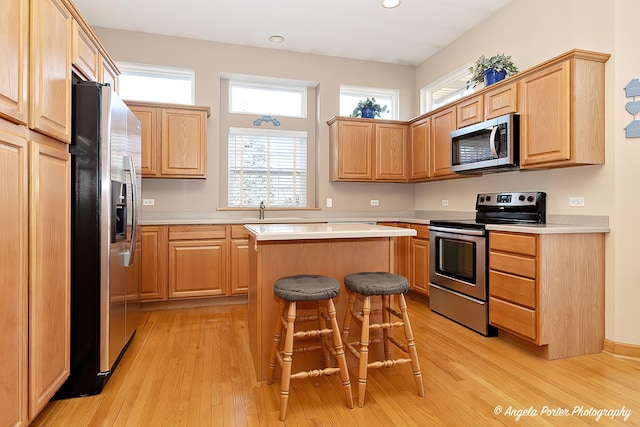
(266, 232)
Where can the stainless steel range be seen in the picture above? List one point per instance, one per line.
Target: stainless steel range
(459, 255)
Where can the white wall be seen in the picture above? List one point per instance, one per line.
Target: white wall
(533, 32)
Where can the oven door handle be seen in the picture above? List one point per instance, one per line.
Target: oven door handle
(457, 231)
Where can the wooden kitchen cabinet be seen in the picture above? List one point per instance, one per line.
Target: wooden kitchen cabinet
(239, 257)
(542, 297)
(85, 54)
(500, 101)
(155, 260)
(14, 46)
(174, 139)
(442, 123)
(470, 111)
(419, 257)
(108, 72)
(561, 108)
(367, 150)
(401, 251)
(419, 151)
(50, 68)
(197, 261)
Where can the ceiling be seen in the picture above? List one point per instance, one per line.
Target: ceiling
(358, 29)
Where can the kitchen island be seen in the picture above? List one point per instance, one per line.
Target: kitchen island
(331, 249)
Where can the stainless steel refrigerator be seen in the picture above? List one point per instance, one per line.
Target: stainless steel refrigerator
(105, 243)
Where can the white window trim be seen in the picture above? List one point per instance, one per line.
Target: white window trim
(160, 71)
(302, 89)
(370, 92)
(426, 100)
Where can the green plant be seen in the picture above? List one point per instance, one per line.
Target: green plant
(368, 103)
(498, 62)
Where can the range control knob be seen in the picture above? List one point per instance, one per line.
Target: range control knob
(530, 199)
(521, 197)
(481, 199)
(488, 198)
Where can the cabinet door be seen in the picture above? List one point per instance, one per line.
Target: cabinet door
(155, 258)
(391, 152)
(50, 68)
(13, 279)
(442, 124)
(149, 119)
(107, 73)
(501, 101)
(239, 267)
(545, 116)
(49, 275)
(86, 58)
(420, 265)
(14, 51)
(420, 150)
(470, 111)
(196, 268)
(184, 143)
(355, 151)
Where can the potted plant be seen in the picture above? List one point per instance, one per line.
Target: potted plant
(491, 70)
(368, 109)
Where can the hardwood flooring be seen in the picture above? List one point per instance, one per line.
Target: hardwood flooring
(192, 367)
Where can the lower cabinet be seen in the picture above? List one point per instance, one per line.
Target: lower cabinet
(239, 265)
(155, 260)
(419, 259)
(401, 248)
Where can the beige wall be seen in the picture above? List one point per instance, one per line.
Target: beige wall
(210, 59)
(532, 32)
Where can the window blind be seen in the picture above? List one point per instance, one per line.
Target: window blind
(269, 166)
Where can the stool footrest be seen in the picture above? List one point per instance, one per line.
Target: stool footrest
(315, 373)
(401, 345)
(386, 325)
(314, 333)
(387, 363)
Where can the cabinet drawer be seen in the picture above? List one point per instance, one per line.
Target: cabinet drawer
(197, 232)
(509, 316)
(422, 230)
(524, 244)
(514, 264)
(239, 232)
(516, 289)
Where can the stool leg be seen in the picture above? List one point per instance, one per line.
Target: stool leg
(386, 332)
(323, 339)
(340, 357)
(347, 317)
(364, 351)
(413, 353)
(287, 361)
(276, 343)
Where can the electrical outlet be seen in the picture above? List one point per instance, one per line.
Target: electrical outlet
(445, 202)
(329, 202)
(576, 201)
(148, 202)
(374, 202)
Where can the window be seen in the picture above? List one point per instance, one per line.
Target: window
(449, 88)
(250, 98)
(138, 82)
(267, 165)
(350, 95)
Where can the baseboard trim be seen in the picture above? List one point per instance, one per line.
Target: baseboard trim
(622, 350)
(195, 302)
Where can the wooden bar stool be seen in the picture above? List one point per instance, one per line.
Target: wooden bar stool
(385, 285)
(293, 289)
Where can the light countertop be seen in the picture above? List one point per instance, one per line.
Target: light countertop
(266, 232)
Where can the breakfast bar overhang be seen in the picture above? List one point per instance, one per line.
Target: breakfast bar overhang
(330, 249)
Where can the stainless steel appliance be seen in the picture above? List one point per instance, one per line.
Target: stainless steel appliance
(459, 258)
(489, 146)
(105, 273)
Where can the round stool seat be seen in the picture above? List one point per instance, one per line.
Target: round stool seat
(376, 283)
(306, 287)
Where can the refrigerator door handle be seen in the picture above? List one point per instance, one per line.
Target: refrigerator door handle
(130, 253)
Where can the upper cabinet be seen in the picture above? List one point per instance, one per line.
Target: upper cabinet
(562, 112)
(174, 139)
(50, 68)
(419, 150)
(14, 50)
(500, 101)
(470, 111)
(442, 123)
(367, 150)
(85, 54)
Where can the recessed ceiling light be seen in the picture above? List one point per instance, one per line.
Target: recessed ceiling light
(276, 38)
(390, 3)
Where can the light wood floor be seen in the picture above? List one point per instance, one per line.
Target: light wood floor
(191, 367)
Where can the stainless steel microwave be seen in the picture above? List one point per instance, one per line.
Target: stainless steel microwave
(489, 146)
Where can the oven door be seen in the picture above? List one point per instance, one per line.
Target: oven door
(458, 260)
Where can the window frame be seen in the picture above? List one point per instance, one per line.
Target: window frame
(373, 92)
(426, 93)
(147, 70)
(295, 88)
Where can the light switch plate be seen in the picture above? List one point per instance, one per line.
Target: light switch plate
(576, 201)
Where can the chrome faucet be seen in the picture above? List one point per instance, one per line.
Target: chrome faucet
(262, 206)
